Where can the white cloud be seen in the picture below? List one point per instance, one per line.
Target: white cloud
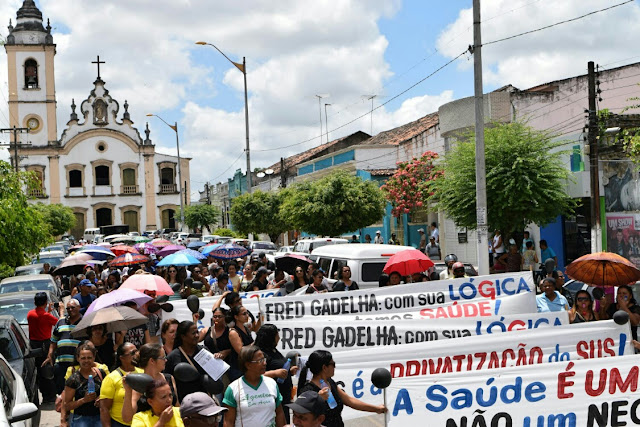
(295, 50)
(550, 54)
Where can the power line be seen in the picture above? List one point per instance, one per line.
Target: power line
(230, 166)
(379, 106)
(558, 23)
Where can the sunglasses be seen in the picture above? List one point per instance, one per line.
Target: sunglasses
(581, 299)
(172, 271)
(263, 360)
(332, 363)
(196, 271)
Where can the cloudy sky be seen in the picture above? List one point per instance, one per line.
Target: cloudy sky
(348, 50)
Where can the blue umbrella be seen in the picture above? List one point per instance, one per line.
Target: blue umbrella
(206, 249)
(228, 251)
(195, 254)
(178, 259)
(196, 245)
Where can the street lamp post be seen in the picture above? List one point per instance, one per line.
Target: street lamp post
(175, 128)
(243, 68)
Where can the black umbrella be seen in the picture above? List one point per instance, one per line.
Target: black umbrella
(289, 262)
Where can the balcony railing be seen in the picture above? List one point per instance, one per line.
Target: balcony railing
(37, 192)
(168, 188)
(129, 189)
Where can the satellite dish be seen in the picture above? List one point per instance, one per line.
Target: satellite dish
(269, 171)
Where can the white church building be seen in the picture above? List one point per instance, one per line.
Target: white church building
(100, 166)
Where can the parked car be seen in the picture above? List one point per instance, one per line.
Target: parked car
(16, 410)
(15, 349)
(186, 238)
(18, 304)
(309, 245)
(33, 282)
(366, 261)
(263, 246)
(285, 249)
(65, 244)
(53, 258)
(25, 270)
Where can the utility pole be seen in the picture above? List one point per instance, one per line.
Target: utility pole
(206, 186)
(481, 177)
(15, 144)
(326, 122)
(596, 232)
(283, 173)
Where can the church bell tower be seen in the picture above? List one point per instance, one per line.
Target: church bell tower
(32, 94)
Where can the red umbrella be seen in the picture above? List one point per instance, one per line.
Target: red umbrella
(128, 259)
(408, 262)
(123, 249)
(148, 282)
(603, 269)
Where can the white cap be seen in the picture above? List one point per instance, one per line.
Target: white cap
(377, 231)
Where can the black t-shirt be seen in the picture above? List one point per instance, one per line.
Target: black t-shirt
(257, 284)
(136, 335)
(105, 354)
(333, 417)
(635, 309)
(341, 286)
(275, 360)
(314, 289)
(246, 339)
(185, 388)
(218, 344)
(79, 383)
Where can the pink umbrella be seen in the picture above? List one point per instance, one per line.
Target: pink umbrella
(148, 282)
(168, 250)
(160, 243)
(123, 249)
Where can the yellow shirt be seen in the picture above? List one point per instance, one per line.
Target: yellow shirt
(147, 419)
(113, 389)
(71, 369)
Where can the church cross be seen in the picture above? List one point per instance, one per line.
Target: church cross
(98, 62)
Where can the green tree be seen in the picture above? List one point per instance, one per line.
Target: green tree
(201, 216)
(259, 213)
(526, 179)
(224, 232)
(24, 229)
(336, 204)
(58, 216)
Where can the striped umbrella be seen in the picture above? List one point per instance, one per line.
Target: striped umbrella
(206, 249)
(128, 259)
(123, 249)
(229, 251)
(160, 243)
(146, 248)
(195, 254)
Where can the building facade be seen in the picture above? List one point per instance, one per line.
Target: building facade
(100, 166)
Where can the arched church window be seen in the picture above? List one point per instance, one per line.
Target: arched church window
(102, 175)
(75, 178)
(31, 74)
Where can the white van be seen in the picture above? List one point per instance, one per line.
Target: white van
(366, 261)
(90, 234)
(309, 245)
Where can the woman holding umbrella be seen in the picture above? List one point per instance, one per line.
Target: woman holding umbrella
(626, 302)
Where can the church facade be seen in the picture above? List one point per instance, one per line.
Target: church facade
(100, 166)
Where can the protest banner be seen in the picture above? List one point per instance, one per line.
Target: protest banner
(481, 296)
(429, 361)
(580, 393)
(333, 334)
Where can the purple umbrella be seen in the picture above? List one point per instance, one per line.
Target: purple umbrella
(118, 297)
(168, 250)
(146, 248)
(195, 254)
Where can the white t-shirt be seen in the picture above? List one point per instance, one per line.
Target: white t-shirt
(257, 405)
(499, 250)
(435, 234)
